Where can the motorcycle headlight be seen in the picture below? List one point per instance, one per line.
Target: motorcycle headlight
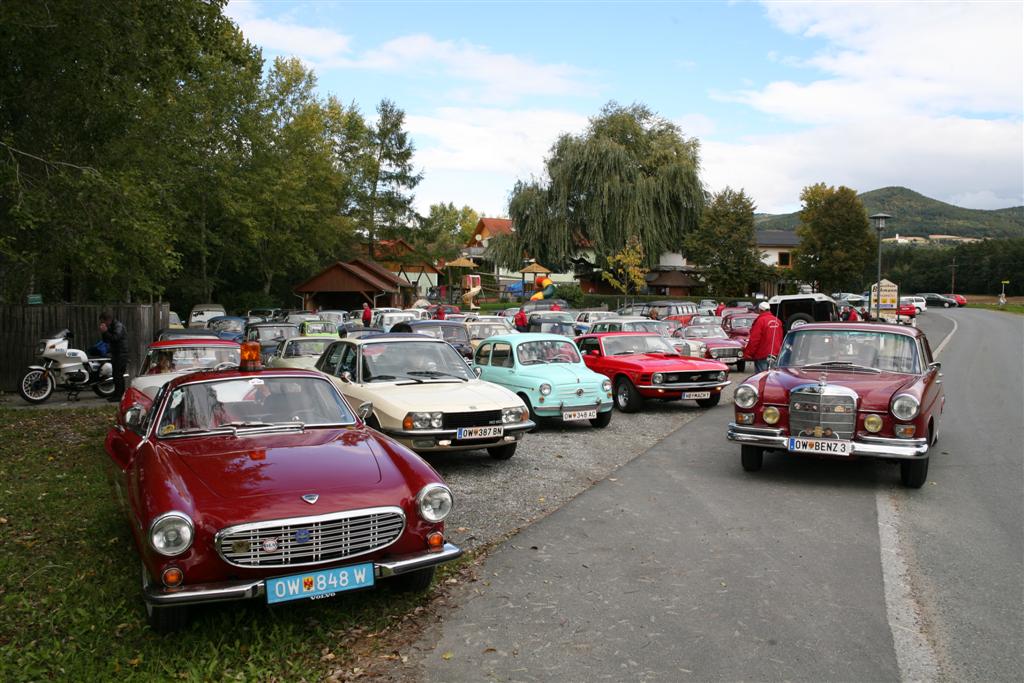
(171, 534)
(545, 389)
(657, 378)
(606, 385)
(41, 349)
(905, 407)
(434, 502)
(745, 396)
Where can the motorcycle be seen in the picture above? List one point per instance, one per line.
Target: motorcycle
(67, 369)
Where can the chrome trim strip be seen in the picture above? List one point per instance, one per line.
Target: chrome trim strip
(684, 386)
(450, 433)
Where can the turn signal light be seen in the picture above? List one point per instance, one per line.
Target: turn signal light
(435, 541)
(251, 357)
(172, 577)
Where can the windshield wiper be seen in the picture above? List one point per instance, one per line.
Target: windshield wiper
(191, 431)
(436, 373)
(291, 424)
(844, 364)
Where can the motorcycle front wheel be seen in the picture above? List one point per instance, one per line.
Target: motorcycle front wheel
(36, 386)
(104, 389)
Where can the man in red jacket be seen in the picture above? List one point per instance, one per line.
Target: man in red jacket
(765, 338)
(367, 314)
(520, 320)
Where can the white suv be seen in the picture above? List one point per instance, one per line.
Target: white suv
(919, 303)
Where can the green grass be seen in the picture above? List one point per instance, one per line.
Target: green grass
(1008, 308)
(70, 605)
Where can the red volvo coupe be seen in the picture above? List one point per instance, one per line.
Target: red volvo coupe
(263, 484)
(844, 391)
(646, 365)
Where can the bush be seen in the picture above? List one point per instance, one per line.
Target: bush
(571, 293)
(614, 301)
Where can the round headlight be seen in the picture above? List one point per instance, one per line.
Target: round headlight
(873, 423)
(437, 420)
(657, 378)
(722, 375)
(770, 415)
(606, 385)
(905, 407)
(545, 389)
(171, 533)
(434, 502)
(746, 396)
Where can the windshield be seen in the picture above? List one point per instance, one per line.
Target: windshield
(227, 325)
(272, 333)
(487, 330)
(450, 333)
(648, 326)
(559, 316)
(617, 346)
(305, 347)
(391, 361)
(704, 332)
(564, 329)
(187, 358)
(883, 351)
(252, 402)
(547, 351)
(320, 327)
(741, 323)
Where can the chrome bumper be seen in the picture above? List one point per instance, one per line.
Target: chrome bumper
(255, 588)
(524, 426)
(686, 386)
(864, 446)
(556, 410)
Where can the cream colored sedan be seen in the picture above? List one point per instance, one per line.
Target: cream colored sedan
(480, 330)
(425, 396)
(299, 352)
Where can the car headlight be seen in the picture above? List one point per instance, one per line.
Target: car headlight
(423, 421)
(657, 378)
(606, 385)
(512, 415)
(770, 415)
(545, 389)
(702, 350)
(434, 502)
(745, 396)
(905, 407)
(873, 423)
(171, 534)
(722, 375)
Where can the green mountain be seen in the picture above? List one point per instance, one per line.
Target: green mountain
(914, 214)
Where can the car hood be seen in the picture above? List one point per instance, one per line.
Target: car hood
(720, 343)
(875, 391)
(661, 362)
(561, 373)
(400, 398)
(272, 465)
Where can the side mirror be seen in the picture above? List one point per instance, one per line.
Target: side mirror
(134, 416)
(935, 365)
(477, 369)
(345, 376)
(364, 410)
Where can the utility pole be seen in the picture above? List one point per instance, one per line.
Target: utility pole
(952, 282)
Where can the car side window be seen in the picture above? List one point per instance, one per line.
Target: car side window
(348, 360)
(331, 359)
(588, 345)
(501, 356)
(483, 355)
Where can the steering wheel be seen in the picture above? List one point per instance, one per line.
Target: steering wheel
(225, 365)
(562, 356)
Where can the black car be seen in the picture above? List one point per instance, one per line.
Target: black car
(452, 331)
(933, 299)
(270, 335)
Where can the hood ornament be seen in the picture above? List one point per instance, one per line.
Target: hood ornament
(311, 498)
(823, 380)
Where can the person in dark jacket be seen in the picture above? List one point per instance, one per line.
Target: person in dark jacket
(116, 337)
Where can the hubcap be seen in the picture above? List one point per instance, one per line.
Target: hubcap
(797, 323)
(622, 394)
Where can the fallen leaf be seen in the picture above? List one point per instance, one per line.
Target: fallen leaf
(462, 528)
(489, 649)
(723, 584)
(541, 499)
(447, 655)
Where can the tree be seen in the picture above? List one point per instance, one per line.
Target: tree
(630, 174)
(836, 242)
(725, 245)
(626, 271)
(388, 176)
(444, 230)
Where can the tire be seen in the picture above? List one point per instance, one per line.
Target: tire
(627, 398)
(602, 419)
(104, 389)
(32, 387)
(914, 473)
(502, 452)
(751, 458)
(412, 582)
(798, 320)
(710, 402)
(741, 366)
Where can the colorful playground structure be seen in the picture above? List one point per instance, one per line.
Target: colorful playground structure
(470, 288)
(545, 288)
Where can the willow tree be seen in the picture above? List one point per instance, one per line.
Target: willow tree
(630, 174)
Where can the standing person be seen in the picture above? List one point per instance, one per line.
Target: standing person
(765, 338)
(520, 320)
(853, 317)
(555, 307)
(367, 314)
(720, 308)
(113, 333)
(439, 313)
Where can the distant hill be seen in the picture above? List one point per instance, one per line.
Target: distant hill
(914, 214)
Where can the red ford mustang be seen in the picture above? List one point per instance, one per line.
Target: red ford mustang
(844, 391)
(646, 365)
(264, 484)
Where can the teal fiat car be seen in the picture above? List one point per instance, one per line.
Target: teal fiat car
(547, 372)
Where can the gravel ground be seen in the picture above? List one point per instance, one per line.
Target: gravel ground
(552, 465)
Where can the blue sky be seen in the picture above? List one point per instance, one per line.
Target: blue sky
(781, 95)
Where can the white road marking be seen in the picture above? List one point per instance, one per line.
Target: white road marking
(915, 655)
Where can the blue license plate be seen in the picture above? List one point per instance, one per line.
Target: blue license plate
(319, 584)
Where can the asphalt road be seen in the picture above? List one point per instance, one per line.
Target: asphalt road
(680, 566)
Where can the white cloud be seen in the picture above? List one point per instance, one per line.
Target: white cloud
(312, 45)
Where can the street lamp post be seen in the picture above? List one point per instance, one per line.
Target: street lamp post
(879, 222)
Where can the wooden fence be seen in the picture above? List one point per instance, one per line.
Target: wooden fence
(22, 326)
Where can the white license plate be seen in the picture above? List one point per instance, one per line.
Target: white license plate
(822, 446)
(480, 432)
(697, 394)
(570, 415)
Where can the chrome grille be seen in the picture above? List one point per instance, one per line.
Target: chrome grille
(816, 411)
(301, 541)
(725, 352)
(568, 392)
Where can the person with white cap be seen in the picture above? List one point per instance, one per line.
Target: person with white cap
(765, 338)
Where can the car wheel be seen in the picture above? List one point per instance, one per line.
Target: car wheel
(34, 388)
(914, 473)
(751, 457)
(502, 452)
(741, 366)
(798, 320)
(412, 582)
(710, 402)
(602, 419)
(627, 398)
